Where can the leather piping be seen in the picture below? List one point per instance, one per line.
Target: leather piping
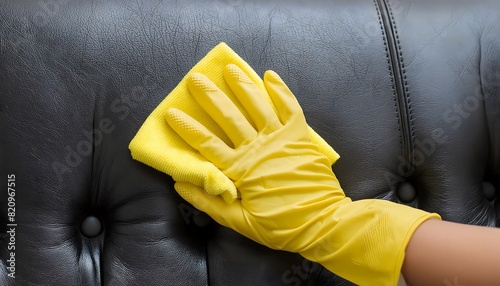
(398, 77)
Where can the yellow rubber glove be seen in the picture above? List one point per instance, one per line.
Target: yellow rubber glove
(290, 198)
(158, 146)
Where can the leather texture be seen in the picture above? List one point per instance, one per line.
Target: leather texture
(408, 93)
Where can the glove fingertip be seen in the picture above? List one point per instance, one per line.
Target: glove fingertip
(219, 184)
(233, 73)
(285, 101)
(231, 69)
(172, 116)
(198, 82)
(272, 75)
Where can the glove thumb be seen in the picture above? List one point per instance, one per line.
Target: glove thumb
(228, 215)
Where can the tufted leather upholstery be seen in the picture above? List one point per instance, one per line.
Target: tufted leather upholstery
(408, 92)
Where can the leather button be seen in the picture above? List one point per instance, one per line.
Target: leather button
(489, 191)
(406, 192)
(91, 226)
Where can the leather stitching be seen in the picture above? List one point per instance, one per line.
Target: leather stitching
(388, 57)
(399, 82)
(406, 95)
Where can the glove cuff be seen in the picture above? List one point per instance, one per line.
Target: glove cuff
(365, 241)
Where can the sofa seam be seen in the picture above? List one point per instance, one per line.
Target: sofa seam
(388, 60)
(400, 87)
(406, 95)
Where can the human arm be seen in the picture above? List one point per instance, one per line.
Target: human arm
(452, 254)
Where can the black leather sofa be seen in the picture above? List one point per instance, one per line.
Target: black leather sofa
(408, 92)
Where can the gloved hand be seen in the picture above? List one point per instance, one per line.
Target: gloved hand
(290, 198)
(158, 146)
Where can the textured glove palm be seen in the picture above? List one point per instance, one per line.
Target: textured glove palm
(290, 198)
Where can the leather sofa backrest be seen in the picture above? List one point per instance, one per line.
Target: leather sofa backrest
(406, 91)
